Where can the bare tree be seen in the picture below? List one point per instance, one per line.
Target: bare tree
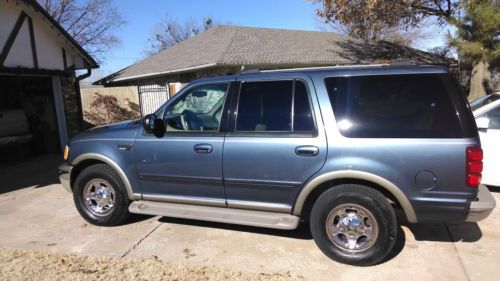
(477, 23)
(92, 23)
(170, 32)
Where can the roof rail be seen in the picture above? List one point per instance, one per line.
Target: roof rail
(326, 67)
(247, 71)
(403, 63)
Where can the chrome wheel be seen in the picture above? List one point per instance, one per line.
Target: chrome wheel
(99, 197)
(352, 228)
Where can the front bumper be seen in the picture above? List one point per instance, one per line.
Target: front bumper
(482, 207)
(64, 176)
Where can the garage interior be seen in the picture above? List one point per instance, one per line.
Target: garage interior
(27, 117)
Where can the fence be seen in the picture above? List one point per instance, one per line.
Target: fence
(151, 97)
(144, 99)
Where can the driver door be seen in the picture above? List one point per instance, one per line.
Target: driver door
(184, 165)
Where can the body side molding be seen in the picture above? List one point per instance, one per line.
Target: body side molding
(100, 157)
(351, 174)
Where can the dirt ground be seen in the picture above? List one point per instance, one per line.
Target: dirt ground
(42, 265)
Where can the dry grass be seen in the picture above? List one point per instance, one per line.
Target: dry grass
(40, 265)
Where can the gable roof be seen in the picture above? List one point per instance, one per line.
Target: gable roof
(88, 58)
(264, 48)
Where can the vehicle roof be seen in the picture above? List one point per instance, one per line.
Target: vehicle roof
(335, 70)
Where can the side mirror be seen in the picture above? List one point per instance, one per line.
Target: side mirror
(482, 123)
(149, 123)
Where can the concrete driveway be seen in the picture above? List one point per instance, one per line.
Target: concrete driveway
(36, 213)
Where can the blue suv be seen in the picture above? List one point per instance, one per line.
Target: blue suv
(339, 148)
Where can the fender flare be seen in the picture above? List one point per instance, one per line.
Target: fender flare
(94, 156)
(352, 174)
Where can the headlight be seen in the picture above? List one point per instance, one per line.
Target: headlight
(66, 153)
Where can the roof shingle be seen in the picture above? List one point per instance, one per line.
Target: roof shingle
(236, 46)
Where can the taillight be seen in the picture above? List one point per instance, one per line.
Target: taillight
(474, 166)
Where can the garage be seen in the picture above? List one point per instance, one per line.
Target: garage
(40, 69)
(28, 116)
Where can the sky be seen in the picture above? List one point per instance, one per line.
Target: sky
(143, 16)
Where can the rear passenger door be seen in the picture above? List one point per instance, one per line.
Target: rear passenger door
(274, 143)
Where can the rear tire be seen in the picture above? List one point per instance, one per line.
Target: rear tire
(100, 196)
(354, 224)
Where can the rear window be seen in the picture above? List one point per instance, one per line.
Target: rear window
(398, 106)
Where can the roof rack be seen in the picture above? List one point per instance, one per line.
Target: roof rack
(326, 67)
(247, 71)
(403, 63)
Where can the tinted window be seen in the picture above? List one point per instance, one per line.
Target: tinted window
(394, 106)
(267, 107)
(494, 117)
(198, 109)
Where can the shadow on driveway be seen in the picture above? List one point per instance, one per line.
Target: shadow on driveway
(437, 232)
(35, 172)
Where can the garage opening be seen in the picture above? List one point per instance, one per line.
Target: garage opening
(28, 121)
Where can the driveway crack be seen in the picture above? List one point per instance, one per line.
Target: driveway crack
(458, 253)
(140, 240)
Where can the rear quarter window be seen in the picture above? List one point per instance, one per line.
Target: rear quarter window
(398, 106)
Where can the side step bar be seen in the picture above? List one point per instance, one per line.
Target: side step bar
(216, 214)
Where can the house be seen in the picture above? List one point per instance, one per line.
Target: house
(38, 61)
(230, 49)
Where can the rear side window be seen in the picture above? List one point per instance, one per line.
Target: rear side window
(274, 106)
(395, 106)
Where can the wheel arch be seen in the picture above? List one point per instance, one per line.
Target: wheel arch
(317, 185)
(88, 159)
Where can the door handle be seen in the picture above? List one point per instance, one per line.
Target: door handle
(307, 150)
(203, 148)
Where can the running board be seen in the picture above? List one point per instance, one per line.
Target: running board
(216, 214)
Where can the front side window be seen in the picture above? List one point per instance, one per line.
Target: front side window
(394, 106)
(198, 109)
(274, 106)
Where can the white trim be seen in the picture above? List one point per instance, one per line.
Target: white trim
(165, 72)
(59, 105)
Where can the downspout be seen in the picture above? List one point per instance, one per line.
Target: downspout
(79, 96)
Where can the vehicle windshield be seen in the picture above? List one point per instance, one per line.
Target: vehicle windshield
(483, 101)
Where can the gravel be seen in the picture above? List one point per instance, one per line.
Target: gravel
(42, 265)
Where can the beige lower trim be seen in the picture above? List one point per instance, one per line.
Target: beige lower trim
(482, 207)
(216, 214)
(185, 200)
(112, 164)
(64, 179)
(350, 174)
(260, 206)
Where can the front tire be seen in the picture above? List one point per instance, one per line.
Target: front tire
(354, 224)
(100, 196)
